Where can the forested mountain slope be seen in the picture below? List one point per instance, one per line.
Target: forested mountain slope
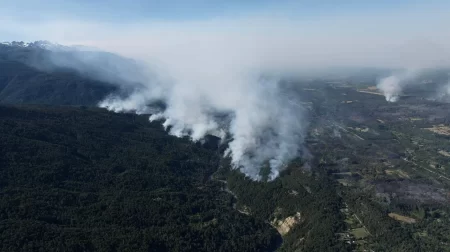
(35, 75)
(22, 84)
(77, 179)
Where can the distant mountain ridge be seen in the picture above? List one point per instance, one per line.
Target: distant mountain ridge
(43, 44)
(48, 73)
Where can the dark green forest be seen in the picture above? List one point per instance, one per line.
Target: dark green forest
(312, 195)
(84, 179)
(78, 179)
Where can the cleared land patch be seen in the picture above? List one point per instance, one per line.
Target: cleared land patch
(440, 129)
(402, 218)
(359, 233)
(444, 153)
(397, 172)
(369, 91)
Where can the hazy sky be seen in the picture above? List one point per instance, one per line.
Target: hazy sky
(331, 32)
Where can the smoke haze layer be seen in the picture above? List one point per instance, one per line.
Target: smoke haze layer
(200, 69)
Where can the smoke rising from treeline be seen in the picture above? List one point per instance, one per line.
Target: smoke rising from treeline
(262, 116)
(201, 69)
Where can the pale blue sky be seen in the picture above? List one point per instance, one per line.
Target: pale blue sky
(131, 10)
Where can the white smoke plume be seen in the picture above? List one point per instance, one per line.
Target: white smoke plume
(265, 121)
(392, 86)
(430, 83)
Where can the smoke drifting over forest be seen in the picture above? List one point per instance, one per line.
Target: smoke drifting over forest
(258, 115)
(261, 116)
(211, 75)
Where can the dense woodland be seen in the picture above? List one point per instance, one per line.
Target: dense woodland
(81, 179)
(75, 179)
(312, 195)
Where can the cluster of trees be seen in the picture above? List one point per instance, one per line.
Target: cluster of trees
(312, 195)
(432, 227)
(387, 234)
(78, 179)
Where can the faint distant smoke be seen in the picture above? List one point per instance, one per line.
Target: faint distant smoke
(89, 62)
(336, 133)
(392, 86)
(446, 89)
(443, 93)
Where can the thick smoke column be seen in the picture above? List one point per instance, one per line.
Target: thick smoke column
(264, 118)
(269, 129)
